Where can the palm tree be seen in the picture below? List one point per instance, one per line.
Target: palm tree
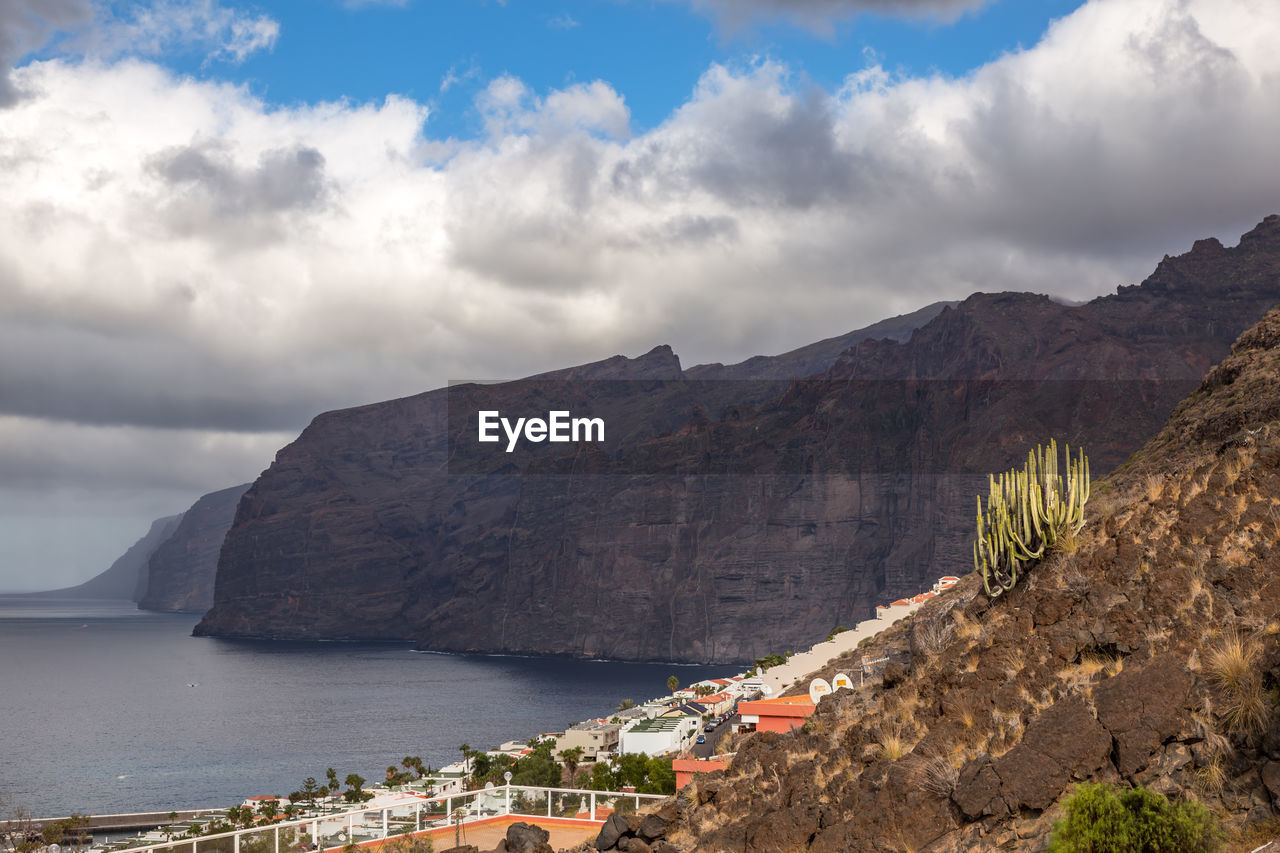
(673, 684)
(331, 776)
(571, 757)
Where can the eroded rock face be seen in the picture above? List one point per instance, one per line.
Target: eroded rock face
(363, 529)
(181, 570)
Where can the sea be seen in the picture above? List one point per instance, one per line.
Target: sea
(107, 709)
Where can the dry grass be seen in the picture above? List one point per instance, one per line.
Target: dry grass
(1154, 487)
(1074, 580)
(964, 708)
(1011, 659)
(1232, 666)
(1008, 731)
(1212, 777)
(892, 743)
(1194, 487)
(937, 774)
(969, 629)
(934, 637)
(1068, 542)
(1233, 662)
(1236, 556)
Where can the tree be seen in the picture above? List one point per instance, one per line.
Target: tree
(331, 776)
(626, 704)
(70, 831)
(18, 831)
(355, 792)
(673, 684)
(310, 791)
(268, 809)
(571, 757)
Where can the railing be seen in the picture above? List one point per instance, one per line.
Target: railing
(334, 831)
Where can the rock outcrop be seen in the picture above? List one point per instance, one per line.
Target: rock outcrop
(181, 570)
(1147, 653)
(126, 579)
(731, 518)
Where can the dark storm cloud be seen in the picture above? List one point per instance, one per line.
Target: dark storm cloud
(26, 26)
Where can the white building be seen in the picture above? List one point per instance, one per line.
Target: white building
(658, 735)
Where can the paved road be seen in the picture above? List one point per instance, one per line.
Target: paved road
(708, 749)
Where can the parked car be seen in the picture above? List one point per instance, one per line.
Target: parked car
(702, 738)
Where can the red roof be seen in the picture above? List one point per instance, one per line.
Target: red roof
(780, 706)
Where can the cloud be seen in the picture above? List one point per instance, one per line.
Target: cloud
(820, 15)
(209, 193)
(454, 76)
(89, 27)
(220, 32)
(509, 108)
(26, 26)
(563, 21)
(179, 258)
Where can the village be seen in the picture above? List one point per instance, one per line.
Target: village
(671, 738)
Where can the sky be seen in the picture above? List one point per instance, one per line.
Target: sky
(219, 219)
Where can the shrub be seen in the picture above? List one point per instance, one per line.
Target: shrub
(1100, 819)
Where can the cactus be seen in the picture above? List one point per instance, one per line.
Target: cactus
(1027, 511)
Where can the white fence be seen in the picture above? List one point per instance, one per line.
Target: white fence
(334, 831)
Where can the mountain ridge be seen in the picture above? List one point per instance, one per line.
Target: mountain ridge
(353, 534)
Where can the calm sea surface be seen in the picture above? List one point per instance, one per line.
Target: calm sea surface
(106, 709)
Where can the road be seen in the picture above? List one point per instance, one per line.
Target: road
(708, 749)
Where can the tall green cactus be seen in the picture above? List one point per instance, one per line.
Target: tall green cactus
(1027, 511)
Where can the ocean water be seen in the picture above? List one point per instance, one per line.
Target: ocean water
(107, 709)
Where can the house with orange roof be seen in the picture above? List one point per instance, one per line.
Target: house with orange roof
(687, 767)
(779, 714)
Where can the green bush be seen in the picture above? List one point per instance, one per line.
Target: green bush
(1101, 819)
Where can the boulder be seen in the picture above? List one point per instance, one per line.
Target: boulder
(526, 838)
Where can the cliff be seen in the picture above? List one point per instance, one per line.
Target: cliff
(181, 570)
(127, 576)
(732, 518)
(1147, 654)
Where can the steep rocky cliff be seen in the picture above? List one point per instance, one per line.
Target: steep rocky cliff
(181, 570)
(733, 518)
(1147, 654)
(127, 576)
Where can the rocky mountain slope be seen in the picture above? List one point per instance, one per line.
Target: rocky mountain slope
(1147, 652)
(181, 570)
(730, 518)
(126, 578)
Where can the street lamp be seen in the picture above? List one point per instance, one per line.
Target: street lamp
(507, 777)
